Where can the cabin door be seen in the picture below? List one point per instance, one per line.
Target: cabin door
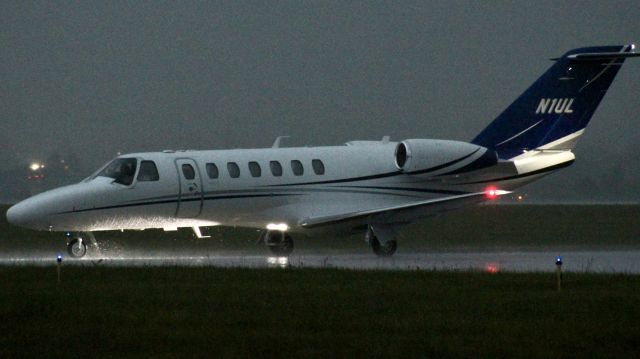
(190, 193)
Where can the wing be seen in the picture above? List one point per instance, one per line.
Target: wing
(404, 213)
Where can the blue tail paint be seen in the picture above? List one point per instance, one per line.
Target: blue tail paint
(560, 103)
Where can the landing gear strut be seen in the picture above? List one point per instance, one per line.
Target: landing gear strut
(381, 249)
(279, 243)
(77, 248)
(77, 245)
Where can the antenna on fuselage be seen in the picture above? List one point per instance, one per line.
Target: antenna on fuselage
(276, 143)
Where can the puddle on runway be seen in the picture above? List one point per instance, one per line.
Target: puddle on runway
(573, 261)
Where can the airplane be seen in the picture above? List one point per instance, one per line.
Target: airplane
(369, 187)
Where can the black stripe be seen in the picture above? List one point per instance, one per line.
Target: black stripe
(216, 197)
(439, 167)
(423, 190)
(540, 171)
(488, 159)
(175, 200)
(209, 194)
(353, 179)
(382, 175)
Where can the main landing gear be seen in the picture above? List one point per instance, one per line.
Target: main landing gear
(79, 243)
(279, 243)
(382, 248)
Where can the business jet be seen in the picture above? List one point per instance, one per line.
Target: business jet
(371, 187)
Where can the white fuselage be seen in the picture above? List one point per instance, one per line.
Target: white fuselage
(334, 180)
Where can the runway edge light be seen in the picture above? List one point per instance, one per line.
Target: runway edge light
(59, 264)
(559, 272)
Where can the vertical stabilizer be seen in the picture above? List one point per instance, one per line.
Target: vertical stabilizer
(555, 110)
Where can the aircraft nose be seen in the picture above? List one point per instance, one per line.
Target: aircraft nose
(17, 215)
(25, 214)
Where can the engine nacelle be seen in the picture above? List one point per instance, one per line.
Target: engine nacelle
(419, 155)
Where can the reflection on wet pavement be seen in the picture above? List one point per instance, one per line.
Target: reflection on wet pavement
(525, 261)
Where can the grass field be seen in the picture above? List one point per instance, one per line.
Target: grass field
(214, 312)
(198, 312)
(489, 227)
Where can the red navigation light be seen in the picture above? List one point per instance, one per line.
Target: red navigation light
(491, 193)
(492, 268)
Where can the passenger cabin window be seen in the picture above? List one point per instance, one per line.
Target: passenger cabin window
(212, 170)
(296, 167)
(148, 172)
(234, 170)
(188, 171)
(318, 167)
(276, 168)
(121, 170)
(254, 168)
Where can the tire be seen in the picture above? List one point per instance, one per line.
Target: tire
(284, 248)
(386, 250)
(76, 248)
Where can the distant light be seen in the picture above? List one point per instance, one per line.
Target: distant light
(559, 260)
(492, 268)
(35, 166)
(59, 258)
(282, 227)
(520, 198)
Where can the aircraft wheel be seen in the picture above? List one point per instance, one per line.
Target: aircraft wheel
(386, 250)
(283, 248)
(77, 248)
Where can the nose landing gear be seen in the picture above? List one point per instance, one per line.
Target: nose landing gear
(78, 244)
(77, 248)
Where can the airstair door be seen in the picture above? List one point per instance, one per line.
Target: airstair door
(190, 195)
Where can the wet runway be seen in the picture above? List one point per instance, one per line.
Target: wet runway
(617, 261)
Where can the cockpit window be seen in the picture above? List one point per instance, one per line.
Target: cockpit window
(148, 172)
(121, 170)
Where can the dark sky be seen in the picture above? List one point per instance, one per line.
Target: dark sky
(95, 78)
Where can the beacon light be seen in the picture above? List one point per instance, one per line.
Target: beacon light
(493, 192)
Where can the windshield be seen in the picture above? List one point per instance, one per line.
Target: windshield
(121, 170)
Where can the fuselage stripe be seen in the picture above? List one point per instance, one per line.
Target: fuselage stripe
(381, 175)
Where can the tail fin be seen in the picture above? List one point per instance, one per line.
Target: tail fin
(554, 111)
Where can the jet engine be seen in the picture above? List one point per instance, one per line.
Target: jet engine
(418, 155)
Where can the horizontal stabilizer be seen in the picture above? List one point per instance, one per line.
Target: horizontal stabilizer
(602, 56)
